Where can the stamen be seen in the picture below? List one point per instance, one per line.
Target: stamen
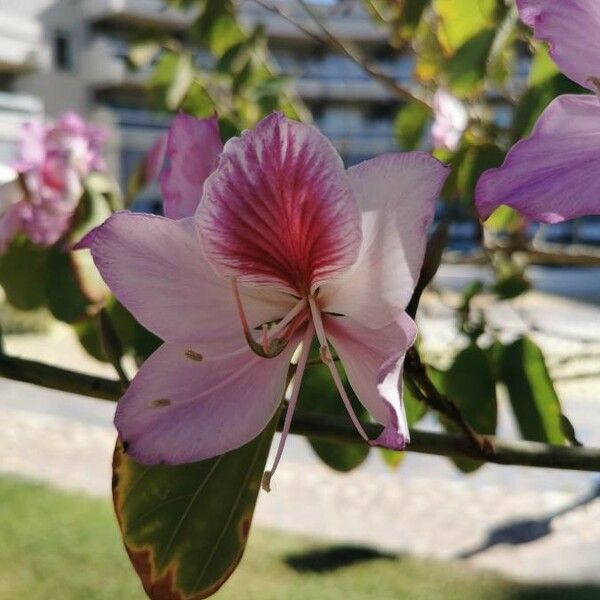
(193, 355)
(294, 312)
(326, 358)
(278, 345)
(268, 475)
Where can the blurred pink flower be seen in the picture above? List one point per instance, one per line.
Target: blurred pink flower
(554, 174)
(183, 158)
(451, 120)
(39, 191)
(285, 245)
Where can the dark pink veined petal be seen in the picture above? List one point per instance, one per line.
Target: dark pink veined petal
(373, 360)
(279, 209)
(193, 147)
(179, 410)
(554, 174)
(572, 28)
(396, 194)
(156, 268)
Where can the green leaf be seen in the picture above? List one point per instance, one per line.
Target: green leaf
(217, 27)
(536, 99)
(391, 458)
(533, 398)
(512, 286)
(142, 53)
(409, 17)
(185, 527)
(73, 285)
(460, 20)
(504, 219)
(475, 161)
(182, 78)
(135, 339)
(64, 292)
(22, 274)
(410, 125)
(414, 408)
(467, 68)
(542, 66)
(415, 411)
(318, 394)
(471, 385)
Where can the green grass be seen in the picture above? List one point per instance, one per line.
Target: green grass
(55, 545)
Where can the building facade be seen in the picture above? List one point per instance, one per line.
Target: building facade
(73, 54)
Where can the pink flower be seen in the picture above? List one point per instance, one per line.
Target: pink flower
(451, 120)
(53, 161)
(285, 245)
(553, 175)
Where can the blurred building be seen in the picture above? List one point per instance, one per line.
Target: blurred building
(73, 54)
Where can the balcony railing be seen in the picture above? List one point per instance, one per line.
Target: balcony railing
(140, 12)
(20, 41)
(351, 23)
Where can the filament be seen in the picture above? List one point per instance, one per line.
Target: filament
(327, 359)
(268, 475)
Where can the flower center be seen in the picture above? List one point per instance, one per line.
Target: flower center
(275, 339)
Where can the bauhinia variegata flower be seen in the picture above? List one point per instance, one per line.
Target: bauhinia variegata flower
(39, 191)
(554, 174)
(450, 120)
(284, 245)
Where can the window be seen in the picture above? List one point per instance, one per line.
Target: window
(63, 51)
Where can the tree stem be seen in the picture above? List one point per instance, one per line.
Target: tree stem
(335, 429)
(329, 39)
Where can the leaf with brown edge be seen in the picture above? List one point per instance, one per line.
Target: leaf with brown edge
(185, 527)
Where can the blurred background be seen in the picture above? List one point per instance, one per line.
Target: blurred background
(408, 527)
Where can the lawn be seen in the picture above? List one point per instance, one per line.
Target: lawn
(57, 545)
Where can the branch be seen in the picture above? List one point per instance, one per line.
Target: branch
(55, 378)
(531, 454)
(330, 40)
(546, 254)
(528, 454)
(425, 390)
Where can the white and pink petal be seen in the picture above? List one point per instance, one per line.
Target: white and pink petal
(397, 195)
(180, 408)
(373, 360)
(156, 268)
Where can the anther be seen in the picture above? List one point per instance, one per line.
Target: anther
(273, 348)
(160, 402)
(193, 355)
(266, 481)
(325, 355)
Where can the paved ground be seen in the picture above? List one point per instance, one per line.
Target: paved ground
(531, 524)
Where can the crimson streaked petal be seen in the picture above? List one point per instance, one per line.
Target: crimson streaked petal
(179, 410)
(279, 209)
(193, 147)
(373, 360)
(552, 175)
(397, 194)
(572, 28)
